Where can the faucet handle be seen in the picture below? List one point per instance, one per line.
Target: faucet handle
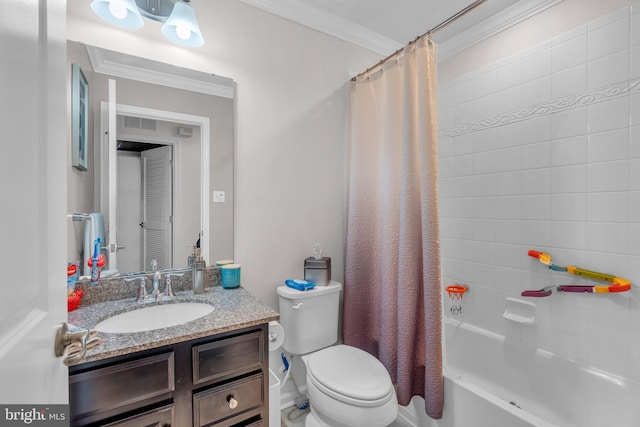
(168, 290)
(142, 289)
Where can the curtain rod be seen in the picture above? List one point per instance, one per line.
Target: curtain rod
(433, 30)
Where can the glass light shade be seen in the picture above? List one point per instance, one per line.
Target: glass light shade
(182, 27)
(123, 13)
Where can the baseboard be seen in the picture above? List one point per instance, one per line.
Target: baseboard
(288, 397)
(408, 416)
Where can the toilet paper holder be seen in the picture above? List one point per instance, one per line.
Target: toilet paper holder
(275, 335)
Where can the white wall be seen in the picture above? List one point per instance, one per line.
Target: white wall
(291, 115)
(80, 184)
(540, 150)
(564, 16)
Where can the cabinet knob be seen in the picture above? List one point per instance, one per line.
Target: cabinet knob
(233, 403)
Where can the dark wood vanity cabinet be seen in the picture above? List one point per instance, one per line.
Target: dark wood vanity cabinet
(221, 381)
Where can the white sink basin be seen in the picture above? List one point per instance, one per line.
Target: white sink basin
(154, 317)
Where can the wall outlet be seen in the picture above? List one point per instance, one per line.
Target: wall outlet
(218, 196)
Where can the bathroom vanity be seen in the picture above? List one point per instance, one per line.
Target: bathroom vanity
(211, 371)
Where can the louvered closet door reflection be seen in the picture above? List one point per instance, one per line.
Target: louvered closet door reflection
(157, 206)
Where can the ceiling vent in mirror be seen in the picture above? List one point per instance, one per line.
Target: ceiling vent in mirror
(139, 123)
(148, 124)
(179, 17)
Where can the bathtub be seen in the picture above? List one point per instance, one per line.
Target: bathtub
(491, 381)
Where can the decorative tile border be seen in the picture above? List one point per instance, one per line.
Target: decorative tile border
(563, 104)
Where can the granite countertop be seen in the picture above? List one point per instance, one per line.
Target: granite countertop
(233, 309)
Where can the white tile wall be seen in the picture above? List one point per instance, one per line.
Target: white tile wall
(569, 81)
(553, 164)
(569, 54)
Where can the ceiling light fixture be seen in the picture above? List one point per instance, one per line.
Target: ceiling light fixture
(179, 17)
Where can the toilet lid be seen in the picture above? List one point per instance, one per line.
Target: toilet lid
(349, 372)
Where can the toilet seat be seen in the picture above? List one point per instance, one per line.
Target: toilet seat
(350, 375)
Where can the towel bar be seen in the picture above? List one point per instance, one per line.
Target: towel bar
(79, 216)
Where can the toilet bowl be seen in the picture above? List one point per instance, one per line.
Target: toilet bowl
(348, 387)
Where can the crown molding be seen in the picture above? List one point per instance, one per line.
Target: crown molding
(353, 33)
(509, 17)
(327, 23)
(130, 67)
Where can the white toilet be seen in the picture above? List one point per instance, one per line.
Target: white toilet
(347, 387)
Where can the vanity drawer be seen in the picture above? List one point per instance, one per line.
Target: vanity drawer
(161, 417)
(217, 405)
(227, 357)
(126, 384)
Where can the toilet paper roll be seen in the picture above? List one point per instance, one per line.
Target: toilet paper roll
(276, 335)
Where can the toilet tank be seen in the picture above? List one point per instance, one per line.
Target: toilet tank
(309, 318)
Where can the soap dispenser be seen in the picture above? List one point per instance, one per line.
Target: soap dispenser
(198, 269)
(193, 257)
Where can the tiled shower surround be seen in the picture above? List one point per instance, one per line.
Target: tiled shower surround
(542, 151)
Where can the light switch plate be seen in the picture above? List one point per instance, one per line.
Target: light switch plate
(218, 196)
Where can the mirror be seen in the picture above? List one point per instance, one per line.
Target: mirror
(161, 108)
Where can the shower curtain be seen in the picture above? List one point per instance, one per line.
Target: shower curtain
(392, 296)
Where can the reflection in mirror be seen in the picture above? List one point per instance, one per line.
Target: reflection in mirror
(172, 181)
(158, 176)
(162, 130)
